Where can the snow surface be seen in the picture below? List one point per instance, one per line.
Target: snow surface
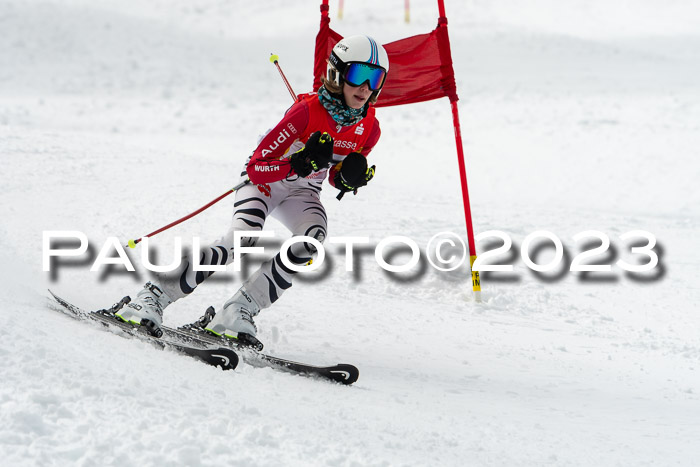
(117, 117)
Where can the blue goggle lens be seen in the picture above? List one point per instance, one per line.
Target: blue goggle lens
(356, 74)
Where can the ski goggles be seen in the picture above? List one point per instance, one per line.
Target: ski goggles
(356, 74)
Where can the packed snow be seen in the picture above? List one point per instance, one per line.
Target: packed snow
(118, 117)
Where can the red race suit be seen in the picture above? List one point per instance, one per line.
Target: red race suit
(269, 162)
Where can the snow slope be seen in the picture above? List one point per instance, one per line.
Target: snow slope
(118, 117)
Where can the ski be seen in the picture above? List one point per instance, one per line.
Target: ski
(223, 357)
(343, 373)
(218, 351)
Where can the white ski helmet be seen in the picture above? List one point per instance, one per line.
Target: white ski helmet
(357, 60)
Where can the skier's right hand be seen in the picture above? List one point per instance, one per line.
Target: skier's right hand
(353, 174)
(314, 156)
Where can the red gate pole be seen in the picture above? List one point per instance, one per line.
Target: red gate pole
(324, 12)
(476, 281)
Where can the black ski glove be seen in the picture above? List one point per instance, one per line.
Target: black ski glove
(314, 156)
(353, 174)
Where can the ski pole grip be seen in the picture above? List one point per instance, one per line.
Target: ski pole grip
(274, 59)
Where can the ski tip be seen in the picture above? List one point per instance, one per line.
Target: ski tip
(226, 359)
(344, 373)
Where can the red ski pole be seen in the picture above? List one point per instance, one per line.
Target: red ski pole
(133, 243)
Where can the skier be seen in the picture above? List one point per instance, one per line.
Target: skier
(324, 134)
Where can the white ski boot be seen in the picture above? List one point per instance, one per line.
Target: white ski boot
(146, 309)
(235, 321)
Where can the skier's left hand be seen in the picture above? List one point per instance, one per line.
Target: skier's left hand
(314, 156)
(353, 174)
